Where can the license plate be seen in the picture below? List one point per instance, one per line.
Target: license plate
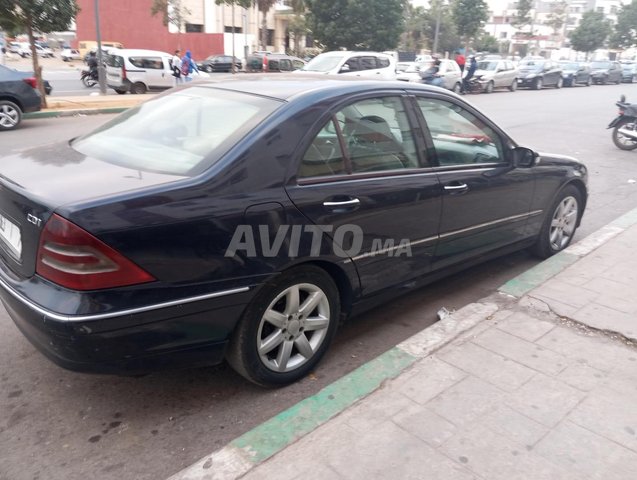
(519, 80)
(10, 236)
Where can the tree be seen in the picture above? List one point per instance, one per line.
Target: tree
(469, 17)
(523, 16)
(487, 43)
(625, 34)
(591, 33)
(263, 6)
(356, 24)
(172, 11)
(41, 16)
(557, 18)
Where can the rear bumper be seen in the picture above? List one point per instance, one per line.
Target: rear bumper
(527, 82)
(189, 334)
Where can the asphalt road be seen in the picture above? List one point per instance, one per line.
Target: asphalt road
(62, 425)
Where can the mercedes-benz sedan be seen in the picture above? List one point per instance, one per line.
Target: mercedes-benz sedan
(243, 219)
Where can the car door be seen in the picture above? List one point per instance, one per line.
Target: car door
(615, 72)
(365, 172)
(486, 201)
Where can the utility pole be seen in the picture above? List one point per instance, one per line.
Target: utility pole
(437, 32)
(234, 67)
(100, 64)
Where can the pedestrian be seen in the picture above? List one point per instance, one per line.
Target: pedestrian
(175, 64)
(188, 66)
(473, 66)
(460, 60)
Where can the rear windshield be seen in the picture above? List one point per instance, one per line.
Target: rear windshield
(182, 133)
(323, 63)
(600, 65)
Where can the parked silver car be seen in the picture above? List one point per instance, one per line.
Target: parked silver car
(448, 75)
(492, 74)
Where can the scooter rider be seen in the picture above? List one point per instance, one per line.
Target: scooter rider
(92, 64)
(473, 66)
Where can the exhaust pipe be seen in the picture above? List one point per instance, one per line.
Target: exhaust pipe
(628, 133)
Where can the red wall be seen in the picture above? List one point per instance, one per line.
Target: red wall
(130, 22)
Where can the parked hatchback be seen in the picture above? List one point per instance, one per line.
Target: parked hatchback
(244, 219)
(629, 72)
(605, 71)
(537, 72)
(354, 64)
(496, 73)
(18, 94)
(220, 63)
(138, 71)
(574, 73)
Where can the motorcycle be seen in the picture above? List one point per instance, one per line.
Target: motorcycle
(625, 125)
(89, 79)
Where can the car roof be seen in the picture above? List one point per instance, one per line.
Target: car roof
(132, 51)
(287, 87)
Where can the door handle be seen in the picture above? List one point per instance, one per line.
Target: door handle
(457, 188)
(344, 203)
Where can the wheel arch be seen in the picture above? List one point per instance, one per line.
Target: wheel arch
(11, 99)
(341, 280)
(581, 187)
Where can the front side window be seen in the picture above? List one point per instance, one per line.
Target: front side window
(371, 135)
(383, 62)
(368, 63)
(153, 63)
(459, 137)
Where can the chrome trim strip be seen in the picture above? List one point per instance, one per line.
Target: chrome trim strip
(102, 316)
(395, 247)
(489, 224)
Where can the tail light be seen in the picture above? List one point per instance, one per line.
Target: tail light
(75, 259)
(123, 72)
(265, 63)
(31, 81)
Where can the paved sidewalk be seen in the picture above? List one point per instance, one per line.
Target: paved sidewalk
(535, 382)
(88, 104)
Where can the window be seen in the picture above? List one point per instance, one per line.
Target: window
(613, 9)
(298, 64)
(600, 9)
(367, 63)
(503, 34)
(153, 63)
(194, 28)
(353, 64)
(228, 29)
(377, 137)
(459, 137)
(383, 62)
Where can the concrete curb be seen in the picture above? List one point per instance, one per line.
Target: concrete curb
(72, 113)
(254, 447)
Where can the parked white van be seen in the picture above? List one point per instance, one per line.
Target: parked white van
(356, 64)
(138, 71)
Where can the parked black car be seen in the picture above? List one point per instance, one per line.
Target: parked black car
(538, 72)
(18, 94)
(31, 76)
(243, 219)
(604, 72)
(220, 63)
(574, 73)
(273, 62)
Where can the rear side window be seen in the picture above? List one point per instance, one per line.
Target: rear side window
(153, 63)
(368, 63)
(382, 62)
(181, 134)
(114, 61)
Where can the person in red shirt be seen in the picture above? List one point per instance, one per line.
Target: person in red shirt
(460, 60)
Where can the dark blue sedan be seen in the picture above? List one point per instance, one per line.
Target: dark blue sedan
(242, 219)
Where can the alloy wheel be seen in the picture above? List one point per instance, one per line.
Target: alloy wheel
(293, 327)
(563, 223)
(9, 116)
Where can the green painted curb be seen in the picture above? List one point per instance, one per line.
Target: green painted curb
(535, 276)
(70, 113)
(288, 426)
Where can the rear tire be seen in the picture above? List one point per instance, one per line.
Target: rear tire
(622, 142)
(10, 115)
(560, 223)
(514, 85)
(138, 88)
(278, 341)
(457, 88)
(120, 91)
(489, 88)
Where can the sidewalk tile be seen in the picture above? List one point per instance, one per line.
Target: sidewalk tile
(613, 294)
(609, 415)
(375, 409)
(427, 379)
(389, 451)
(495, 457)
(625, 269)
(582, 376)
(530, 354)
(466, 401)
(491, 367)
(519, 428)
(564, 293)
(592, 456)
(525, 326)
(425, 424)
(545, 400)
(604, 318)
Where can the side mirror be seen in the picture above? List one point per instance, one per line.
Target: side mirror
(524, 157)
(344, 68)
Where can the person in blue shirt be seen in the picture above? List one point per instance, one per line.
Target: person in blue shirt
(471, 69)
(188, 66)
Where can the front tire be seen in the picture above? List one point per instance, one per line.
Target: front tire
(514, 85)
(457, 88)
(621, 141)
(489, 88)
(208, 68)
(287, 328)
(10, 115)
(138, 88)
(537, 85)
(560, 224)
(560, 82)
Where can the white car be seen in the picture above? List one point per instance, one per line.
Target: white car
(497, 73)
(448, 76)
(355, 64)
(44, 52)
(69, 54)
